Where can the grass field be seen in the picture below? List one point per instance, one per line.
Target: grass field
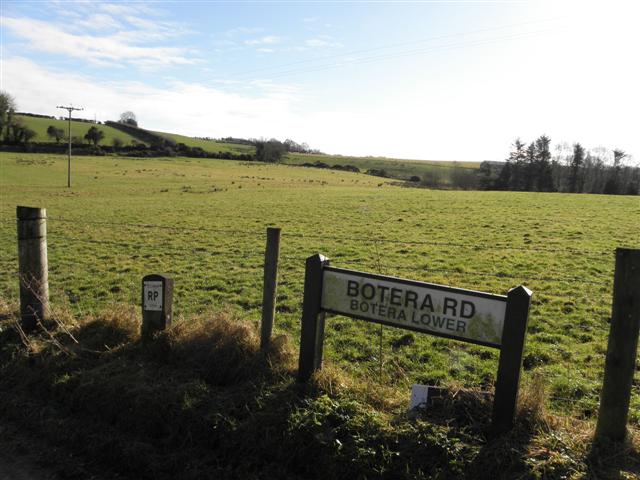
(203, 222)
(78, 129)
(395, 167)
(209, 145)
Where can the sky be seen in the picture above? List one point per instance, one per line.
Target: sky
(436, 80)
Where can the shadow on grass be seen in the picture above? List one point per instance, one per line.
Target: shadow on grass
(613, 460)
(468, 414)
(202, 401)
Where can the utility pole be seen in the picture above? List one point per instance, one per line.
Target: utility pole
(69, 109)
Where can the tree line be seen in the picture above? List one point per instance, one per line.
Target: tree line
(532, 168)
(12, 129)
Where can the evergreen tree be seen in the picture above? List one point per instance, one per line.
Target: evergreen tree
(612, 187)
(544, 173)
(575, 180)
(504, 179)
(529, 170)
(518, 157)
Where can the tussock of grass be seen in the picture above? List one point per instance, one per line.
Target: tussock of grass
(220, 349)
(203, 401)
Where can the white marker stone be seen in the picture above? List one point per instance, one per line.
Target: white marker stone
(419, 396)
(152, 296)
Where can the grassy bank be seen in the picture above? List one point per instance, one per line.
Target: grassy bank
(202, 401)
(209, 145)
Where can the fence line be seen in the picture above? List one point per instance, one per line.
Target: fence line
(295, 234)
(161, 227)
(365, 239)
(376, 241)
(53, 240)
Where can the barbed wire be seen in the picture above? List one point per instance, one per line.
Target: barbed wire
(363, 239)
(475, 273)
(193, 250)
(376, 241)
(161, 227)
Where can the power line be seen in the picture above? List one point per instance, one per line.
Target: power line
(388, 47)
(424, 50)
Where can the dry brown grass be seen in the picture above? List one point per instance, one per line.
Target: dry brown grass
(221, 348)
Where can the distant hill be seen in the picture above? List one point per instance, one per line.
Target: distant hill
(428, 171)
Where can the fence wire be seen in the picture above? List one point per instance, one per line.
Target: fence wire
(367, 239)
(118, 286)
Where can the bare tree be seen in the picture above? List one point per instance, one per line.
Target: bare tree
(129, 118)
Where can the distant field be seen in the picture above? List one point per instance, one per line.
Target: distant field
(78, 129)
(398, 168)
(209, 145)
(203, 222)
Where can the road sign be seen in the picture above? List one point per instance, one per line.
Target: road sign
(466, 315)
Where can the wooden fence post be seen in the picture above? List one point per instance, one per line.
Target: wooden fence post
(270, 286)
(510, 363)
(622, 347)
(32, 266)
(312, 328)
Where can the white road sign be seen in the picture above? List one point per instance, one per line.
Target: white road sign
(467, 315)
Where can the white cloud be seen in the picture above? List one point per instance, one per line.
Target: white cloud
(266, 40)
(99, 21)
(243, 31)
(114, 49)
(187, 108)
(124, 9)
(322, 41)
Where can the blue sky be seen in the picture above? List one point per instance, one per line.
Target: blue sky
(456, 80)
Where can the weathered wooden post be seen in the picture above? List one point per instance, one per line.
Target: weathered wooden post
(622, 347)
(312, 329)
(157, 304)
(270, 287)
(32, 265)
(511, 350)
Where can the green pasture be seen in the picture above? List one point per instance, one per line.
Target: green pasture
(203, 222)
(209, 145)
(395, 167)
(78, 129)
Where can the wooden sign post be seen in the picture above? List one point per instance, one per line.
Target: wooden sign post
(157, 304)
(495, 321)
